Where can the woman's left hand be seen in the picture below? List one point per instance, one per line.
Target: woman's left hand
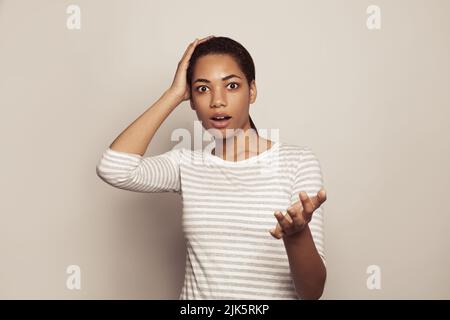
(298, 215)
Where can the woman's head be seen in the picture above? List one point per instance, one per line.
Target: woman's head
(221, 78)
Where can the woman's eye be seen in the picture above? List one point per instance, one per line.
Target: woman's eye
(200, 88)
(235, 85)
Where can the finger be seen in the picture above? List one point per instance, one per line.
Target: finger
(321, 197)
(283, 221)
(277, 232)
(205, 39)
(293, 213)
(308, 206)
(188, 52)
(190, 49)
(307, 202)
(297, 217)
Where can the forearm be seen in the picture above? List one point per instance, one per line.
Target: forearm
(307, 268)
(137, 136)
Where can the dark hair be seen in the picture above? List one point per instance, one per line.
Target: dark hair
(224, 45)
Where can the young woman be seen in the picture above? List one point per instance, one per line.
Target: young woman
(234, 211)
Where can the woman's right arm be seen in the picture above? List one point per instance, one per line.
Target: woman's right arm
(137, 136)
(122, 164)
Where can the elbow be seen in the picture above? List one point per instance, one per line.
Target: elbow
(314, 291)
(100, 173)
(313, 295)
(113, 178)
(103, 176)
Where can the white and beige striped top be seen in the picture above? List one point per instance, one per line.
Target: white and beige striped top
(228, 209)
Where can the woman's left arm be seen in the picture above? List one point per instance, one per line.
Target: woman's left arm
(307, 267)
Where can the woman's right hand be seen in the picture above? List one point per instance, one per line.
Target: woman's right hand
(179, 87)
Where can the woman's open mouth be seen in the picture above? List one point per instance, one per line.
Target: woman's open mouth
(220, 121)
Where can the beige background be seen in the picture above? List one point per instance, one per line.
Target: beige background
(373, 106)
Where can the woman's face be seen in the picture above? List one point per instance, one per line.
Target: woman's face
(219, 86)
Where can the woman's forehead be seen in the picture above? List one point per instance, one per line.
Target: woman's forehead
(215, 66)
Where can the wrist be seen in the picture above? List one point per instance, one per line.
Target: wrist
(298, 237)
(170, 99)
(170, 94)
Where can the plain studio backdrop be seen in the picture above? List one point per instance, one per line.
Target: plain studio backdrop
(373, 104)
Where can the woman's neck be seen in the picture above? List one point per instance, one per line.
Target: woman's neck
(241, 146)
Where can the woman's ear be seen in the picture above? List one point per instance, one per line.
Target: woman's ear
(253, 91)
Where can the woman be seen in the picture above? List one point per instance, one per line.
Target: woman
(232, 209)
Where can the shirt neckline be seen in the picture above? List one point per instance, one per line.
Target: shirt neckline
(207, 153)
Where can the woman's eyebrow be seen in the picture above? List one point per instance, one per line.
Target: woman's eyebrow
(223, 79)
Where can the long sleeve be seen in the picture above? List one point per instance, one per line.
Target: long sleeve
(133, 172)
(308, 178)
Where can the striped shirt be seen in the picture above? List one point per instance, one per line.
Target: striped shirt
(228, 209)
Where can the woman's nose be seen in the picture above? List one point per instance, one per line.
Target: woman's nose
(218, 99)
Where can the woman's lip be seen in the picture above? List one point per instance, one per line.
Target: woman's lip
(220, 124)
